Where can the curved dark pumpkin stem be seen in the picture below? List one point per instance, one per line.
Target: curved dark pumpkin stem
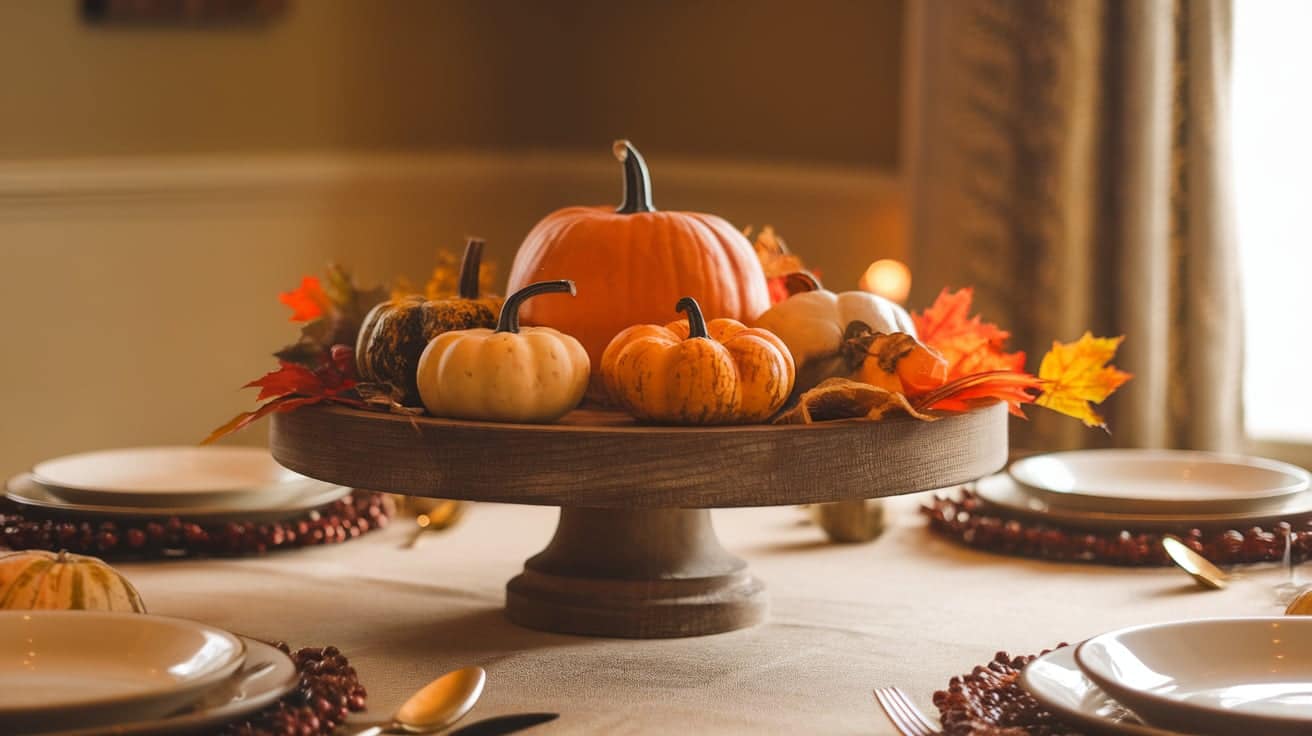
(696, 321)
(637, 182)
(509, 319)
(469, 265)
(800, 281)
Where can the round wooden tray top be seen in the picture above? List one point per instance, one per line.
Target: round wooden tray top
(634, 554)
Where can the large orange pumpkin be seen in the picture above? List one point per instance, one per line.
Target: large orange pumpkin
(633, 262)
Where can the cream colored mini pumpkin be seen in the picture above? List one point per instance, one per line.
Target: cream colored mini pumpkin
(510, 374)
(814, 324)
(37, 579)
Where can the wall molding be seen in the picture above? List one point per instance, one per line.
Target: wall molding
(268, 178)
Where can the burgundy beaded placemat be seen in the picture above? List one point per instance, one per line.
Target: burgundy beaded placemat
(966, 518)
(22, 527)
(989, 701)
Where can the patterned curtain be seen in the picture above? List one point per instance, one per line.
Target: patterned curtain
(1070, 160)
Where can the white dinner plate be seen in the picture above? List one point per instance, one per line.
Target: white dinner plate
(1055, 680)
(1158, 481)
(1002, 491)
(62, 669)
(1224, 676)
(170, 476)
(240, 696)
(24, 490)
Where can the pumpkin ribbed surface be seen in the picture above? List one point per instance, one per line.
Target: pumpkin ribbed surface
(38, 579)
(696, 372)
(630, 268)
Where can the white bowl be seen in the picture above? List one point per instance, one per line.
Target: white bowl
(1240, 676)
(64, 669)
(1158, 481)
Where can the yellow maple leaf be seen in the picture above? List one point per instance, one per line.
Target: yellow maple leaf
(1076, 376)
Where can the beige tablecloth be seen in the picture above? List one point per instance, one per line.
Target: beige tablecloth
(908, 609)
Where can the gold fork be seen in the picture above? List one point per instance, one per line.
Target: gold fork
(906, 717)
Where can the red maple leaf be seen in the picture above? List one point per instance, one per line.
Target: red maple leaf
(307, 301)
(293, 385)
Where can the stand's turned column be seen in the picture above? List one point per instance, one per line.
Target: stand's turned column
(635, 573)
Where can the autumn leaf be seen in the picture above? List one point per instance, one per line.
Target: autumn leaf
(307, 301)
(965, 393)
(332, 310)
(969, 344)
(1077, 375)
(773, 253)
(246, 418)
(778, 288)
(295, 385)
(290, 378)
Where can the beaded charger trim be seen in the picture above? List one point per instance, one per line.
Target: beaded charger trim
(355, 515)
(990, 702)
(328, 692)
(969, 520)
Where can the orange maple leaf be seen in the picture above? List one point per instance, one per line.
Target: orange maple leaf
(307, 301)
(1076, 376)
(969, 344)
(964, 393)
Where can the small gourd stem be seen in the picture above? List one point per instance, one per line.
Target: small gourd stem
(696, 322)
(800, 281)
(637, 182)
(469, 265)
(509, 320)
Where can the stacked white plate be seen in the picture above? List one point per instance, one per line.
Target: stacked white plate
(215, 483)
(1150, 489)
(88, 672)
(1214, 677)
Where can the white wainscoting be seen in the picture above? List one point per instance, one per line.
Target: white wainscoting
(138, 295)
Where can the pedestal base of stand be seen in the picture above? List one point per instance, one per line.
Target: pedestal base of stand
(645, 574)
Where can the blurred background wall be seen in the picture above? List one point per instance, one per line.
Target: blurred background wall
(160, 185)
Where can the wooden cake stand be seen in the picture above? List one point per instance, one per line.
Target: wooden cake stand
(634, 554)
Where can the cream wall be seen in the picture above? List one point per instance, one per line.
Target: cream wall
(158, 188)
(802, 80)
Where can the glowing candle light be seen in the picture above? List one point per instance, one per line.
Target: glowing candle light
(888, 278)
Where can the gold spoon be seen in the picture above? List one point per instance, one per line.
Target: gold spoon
(437, 705)
(1200, 568)
(432, 515)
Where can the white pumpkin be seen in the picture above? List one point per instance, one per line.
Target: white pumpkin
(510, 374)
(36, 579)
(813, 322)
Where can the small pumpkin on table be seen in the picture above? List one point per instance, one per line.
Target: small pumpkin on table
(395, 333)
(511, 374)
(694, 372)
(37, 579)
